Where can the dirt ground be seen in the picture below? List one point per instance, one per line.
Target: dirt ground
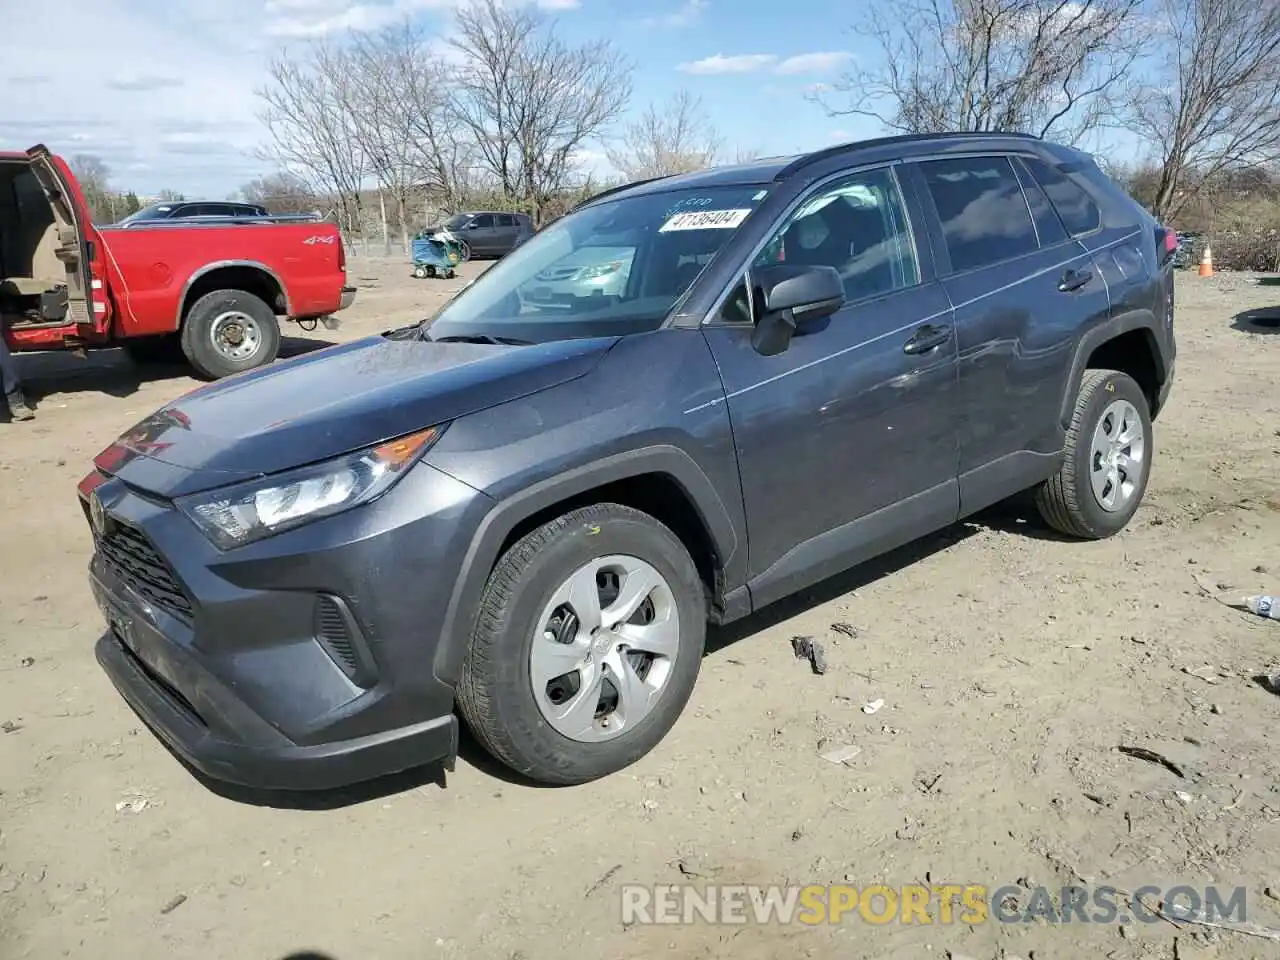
(1011, 665)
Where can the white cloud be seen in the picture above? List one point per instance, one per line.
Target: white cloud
(318, 18)
(559, 4)
(719, 64)
(684, 16)
(804, 63)
(813, 63)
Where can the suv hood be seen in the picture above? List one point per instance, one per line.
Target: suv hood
(330, 402)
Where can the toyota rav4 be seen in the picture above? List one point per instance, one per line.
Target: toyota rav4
(524, 516)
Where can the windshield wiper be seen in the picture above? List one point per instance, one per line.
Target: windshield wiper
(480, 338)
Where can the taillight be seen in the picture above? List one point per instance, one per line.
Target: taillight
(342, 254)
(1166, 243)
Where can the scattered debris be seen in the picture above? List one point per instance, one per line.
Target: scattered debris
(848, 629)
(872, 707)
(1176, 915)
(1098, 798)
(1269, 682)
(1272, 893)
(10, 727)
(806, 648)
(608, 875)
(1185, 798)
(1202, 673)
(650, 805)
(1150, 756)
(796, 834)
(1263, 606)
(1216, 709)
(842, 754)
(174, 904)
(28, 661)
(133, 804)
(926, 782)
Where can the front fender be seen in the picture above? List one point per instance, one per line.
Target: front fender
(492, 532)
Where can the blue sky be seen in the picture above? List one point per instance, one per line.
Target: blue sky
(163, 90)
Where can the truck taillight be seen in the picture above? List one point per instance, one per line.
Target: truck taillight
(342, 254)
(98, 296)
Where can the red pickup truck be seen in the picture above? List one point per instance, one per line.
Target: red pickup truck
(216, 290)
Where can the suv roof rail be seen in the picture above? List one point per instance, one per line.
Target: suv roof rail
(618, 189)
(834, 151)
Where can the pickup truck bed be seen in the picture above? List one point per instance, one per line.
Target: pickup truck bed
(214, 289)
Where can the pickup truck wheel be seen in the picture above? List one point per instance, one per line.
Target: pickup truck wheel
(1108, 459)
(229, 331)
(587, 645)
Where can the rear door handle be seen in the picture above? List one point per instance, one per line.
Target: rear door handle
(1074, 280)
(927, 338)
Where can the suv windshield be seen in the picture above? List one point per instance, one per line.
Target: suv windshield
(607, 270)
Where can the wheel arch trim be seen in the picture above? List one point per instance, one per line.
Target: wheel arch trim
(493, 530)
(209, 268)
(1092, 339)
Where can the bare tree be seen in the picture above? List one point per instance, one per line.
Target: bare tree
(311, 135)
(1039, 66)
(674, 136)
(281, 192)
(529, 100)
(95, 183)
(1216, 102)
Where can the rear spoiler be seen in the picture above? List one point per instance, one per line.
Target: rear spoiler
(220, 221)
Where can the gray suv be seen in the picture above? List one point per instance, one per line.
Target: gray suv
(525, 517)
(489, 233)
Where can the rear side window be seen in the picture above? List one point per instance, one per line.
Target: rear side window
(1080, 215)
(483, 221)
(1048, 227)
(506, 220)
(983, 212)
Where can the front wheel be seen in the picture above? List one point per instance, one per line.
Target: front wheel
(1108, 459)
(229, 331)
(587, 645)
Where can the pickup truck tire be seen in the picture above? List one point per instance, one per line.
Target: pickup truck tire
(538, 683)
(229, 331)
(1104, 475)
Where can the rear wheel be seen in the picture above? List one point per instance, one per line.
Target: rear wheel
(420, 272)
(229, 331)
(587, 645)
(1108, 459)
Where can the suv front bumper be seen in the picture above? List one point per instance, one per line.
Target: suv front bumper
(230, 658)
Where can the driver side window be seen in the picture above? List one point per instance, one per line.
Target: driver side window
(857, 225)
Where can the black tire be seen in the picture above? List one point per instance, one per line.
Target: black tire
(146, 351)
(495, 696)
(198, 328)
(1066, 500)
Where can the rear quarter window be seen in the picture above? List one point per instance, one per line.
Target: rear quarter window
(983, 212)
(1080, 215)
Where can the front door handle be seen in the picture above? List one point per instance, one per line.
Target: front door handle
(1074, 280)
(927, 338)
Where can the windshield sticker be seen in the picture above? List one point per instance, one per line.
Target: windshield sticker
(705, 220)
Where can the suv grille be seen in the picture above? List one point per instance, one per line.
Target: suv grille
(132, 558)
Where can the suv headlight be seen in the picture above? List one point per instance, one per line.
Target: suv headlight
(240, 514)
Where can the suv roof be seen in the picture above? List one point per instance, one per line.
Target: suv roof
(775, 169)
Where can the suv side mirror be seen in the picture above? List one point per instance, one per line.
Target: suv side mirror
(788, 295)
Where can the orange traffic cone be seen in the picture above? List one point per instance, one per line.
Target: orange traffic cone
(1206, 262)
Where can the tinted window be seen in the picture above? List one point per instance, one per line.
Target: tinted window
(984, 216)
(506, 220)
(661, 240)
(483, 221)
(1078, 211)
(1048, 227)
(859, 226)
